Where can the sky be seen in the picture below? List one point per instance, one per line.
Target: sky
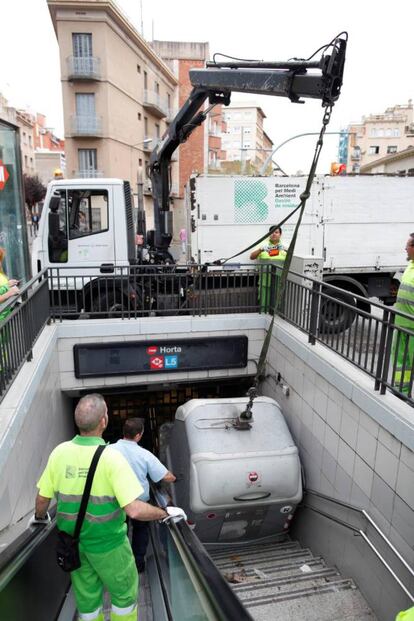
(378, 71)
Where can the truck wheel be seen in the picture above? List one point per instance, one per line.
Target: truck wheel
(109, 304)
(335, 318)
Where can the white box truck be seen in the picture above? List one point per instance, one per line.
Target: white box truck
(358, 224)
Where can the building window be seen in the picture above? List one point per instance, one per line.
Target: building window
(396, 132)
(88, 162)
(25, 161)
(139, 116)
(169, 102)
(157, 130)
(139, 162)
(410, 172)
(145, 127)
(139, 68)
(82, 44)
(30, 140)
(146, 168)
(373, 150)
(392, 149)
(157, 88)
(145, 80)
(85, 104)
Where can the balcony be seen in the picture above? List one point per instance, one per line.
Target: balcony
(155, 104)
(83, 68)
(86, 126)
(89, 174)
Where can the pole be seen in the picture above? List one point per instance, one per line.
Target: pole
(270, 156)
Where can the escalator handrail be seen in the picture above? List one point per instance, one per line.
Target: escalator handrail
(16, 553)
(222, 598)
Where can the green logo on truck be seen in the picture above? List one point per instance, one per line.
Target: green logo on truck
(249, 205)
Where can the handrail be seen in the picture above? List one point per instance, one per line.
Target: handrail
(221, 598)
(14, 556)
(364, 535)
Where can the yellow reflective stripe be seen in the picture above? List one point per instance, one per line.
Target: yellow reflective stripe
(96, 519)
(95, 500)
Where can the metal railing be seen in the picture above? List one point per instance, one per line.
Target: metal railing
(83, 67)
(90, 173)
(86, 125)
(368, 519)
(365, 333)
(142, 291)
(23, 320)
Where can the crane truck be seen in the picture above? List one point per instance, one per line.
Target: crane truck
(87, 224)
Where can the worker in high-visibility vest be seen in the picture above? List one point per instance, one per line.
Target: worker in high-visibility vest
(270, 250)
(403, 349)
(106, 557)
(405, 615)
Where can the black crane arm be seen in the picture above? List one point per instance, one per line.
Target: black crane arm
(296, 79)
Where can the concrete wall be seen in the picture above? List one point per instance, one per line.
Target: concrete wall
(34, 417)
(356, 446)
(97, 331)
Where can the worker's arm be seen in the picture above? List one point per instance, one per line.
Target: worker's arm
(256, 253)
(41, 507)
(143, 511)
(169, 477)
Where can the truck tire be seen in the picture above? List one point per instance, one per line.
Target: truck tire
(108, 305)
(335, 318)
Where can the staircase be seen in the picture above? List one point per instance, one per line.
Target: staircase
(283, 581)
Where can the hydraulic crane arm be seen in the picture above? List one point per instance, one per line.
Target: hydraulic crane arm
(294, 79)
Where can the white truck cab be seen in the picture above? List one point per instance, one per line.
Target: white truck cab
(85, 223)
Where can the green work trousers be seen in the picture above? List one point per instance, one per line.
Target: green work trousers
(403, 354)
(116, 571)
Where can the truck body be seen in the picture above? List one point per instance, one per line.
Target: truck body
(358, 224)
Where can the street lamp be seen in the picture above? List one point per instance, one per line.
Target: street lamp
(270, 156)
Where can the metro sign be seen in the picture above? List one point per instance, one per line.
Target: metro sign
(4, 175)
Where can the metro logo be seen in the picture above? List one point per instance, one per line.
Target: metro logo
(157, 363)
(153, 349)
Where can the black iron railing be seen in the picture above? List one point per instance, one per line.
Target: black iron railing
(364, 332)
(23, 320)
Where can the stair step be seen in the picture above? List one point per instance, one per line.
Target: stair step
(255, 584)
(261, 556)
(254, 598)
(345, 605)
(240, 549)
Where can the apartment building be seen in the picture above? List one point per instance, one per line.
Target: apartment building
(246, 141)
(378, 136)
(202, 152)
(117, 93)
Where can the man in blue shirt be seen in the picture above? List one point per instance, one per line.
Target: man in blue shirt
(144, 464)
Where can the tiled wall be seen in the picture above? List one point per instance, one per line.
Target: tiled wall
(355, 445)
(149, 329)
(34, 417)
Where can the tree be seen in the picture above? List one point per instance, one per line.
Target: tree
(34, 190)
